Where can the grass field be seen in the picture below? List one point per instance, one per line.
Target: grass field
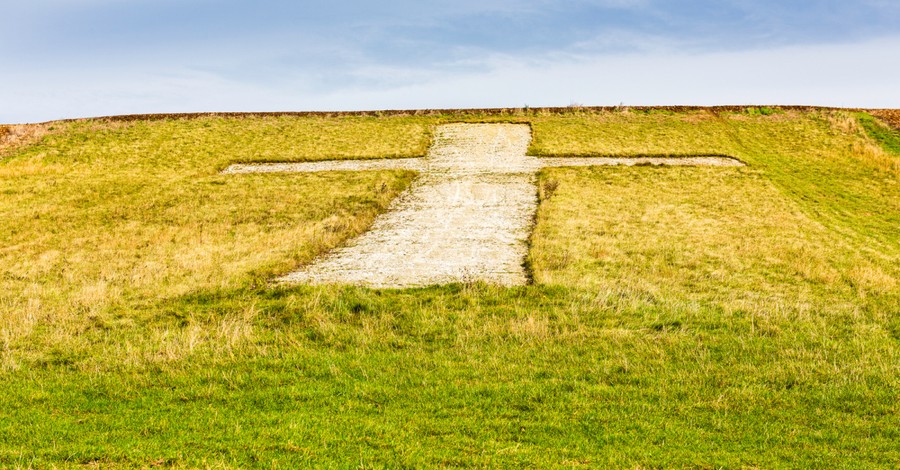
(739, 317)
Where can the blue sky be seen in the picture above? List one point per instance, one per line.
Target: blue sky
(76, 58)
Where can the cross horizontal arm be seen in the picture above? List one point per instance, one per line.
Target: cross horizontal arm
(632, 161)
(467, 217)
(328, 165)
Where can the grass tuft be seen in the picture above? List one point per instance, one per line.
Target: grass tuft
(763, 111)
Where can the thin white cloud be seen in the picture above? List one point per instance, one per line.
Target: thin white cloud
(814, 75)
(849, 75)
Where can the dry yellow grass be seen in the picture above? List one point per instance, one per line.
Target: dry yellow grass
(722, 235)
(14, 136)
(682, 316)
(865, 148)
(107, 216)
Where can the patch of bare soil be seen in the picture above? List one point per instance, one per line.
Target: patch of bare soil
(414, 164)
(640, 161)
(890, 116)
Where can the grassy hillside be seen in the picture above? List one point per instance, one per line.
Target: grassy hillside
(680, 316)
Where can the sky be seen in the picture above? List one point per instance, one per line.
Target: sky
(83, 58)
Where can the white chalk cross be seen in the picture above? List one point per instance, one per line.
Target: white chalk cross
(466, 218)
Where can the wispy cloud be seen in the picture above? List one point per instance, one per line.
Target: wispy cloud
(86, 57)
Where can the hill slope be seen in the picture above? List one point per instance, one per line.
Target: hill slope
(702, 317)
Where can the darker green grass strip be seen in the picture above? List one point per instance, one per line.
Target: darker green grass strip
(886, 136)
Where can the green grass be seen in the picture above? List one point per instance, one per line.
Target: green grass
(101, 216)
(882, 133)
(681, 316)
(762, 111)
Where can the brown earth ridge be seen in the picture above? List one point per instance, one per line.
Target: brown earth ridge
(16, 135)
(890, 115)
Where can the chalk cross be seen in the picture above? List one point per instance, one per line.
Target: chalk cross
(466, 217)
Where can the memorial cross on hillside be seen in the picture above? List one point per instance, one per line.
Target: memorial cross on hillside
(467, 217)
